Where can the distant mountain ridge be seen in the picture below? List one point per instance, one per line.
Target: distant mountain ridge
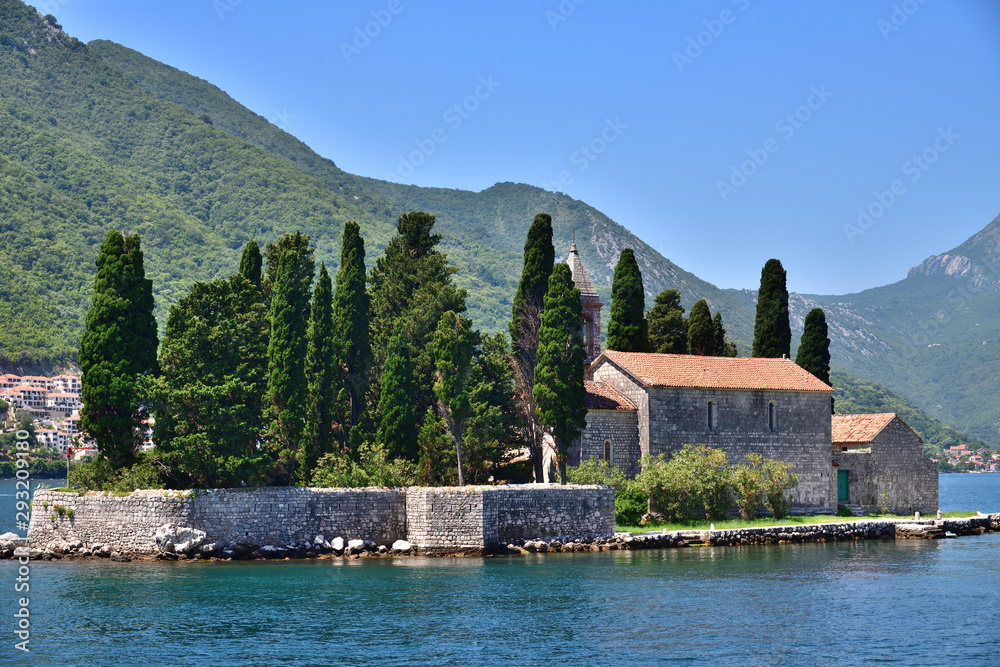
(98, 135)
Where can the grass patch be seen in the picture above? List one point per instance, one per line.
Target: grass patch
(797, 520)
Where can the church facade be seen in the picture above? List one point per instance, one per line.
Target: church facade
(645, 403)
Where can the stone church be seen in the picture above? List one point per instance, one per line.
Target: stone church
(644, 403)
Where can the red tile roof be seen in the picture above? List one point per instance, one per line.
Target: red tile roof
(602, 396)
(859, 428)
(686, 370)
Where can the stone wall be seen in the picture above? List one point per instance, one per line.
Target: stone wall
(893, 465)
(434, 520)
(621, 429)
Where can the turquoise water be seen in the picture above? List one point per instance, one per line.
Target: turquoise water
(908, 602)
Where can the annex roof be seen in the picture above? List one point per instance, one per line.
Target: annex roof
(602, 396)
(859, 428)
(580, 278)
(688, 370)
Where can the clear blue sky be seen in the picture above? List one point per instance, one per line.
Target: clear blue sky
(833, 100)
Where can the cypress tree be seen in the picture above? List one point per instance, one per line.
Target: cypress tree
(305, 265)
(351, 319)
(117, 348)
(412, 283)
(398, 427)
(814, 348)
(701, 332)
(719, 332)
(627, 328)
(539, 257)
(453, 343)
(559, 390)
(772, 334)
(667, 325)
(286, 379)
(250, 262)
(321, 371)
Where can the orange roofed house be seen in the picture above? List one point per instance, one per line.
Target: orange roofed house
(643, 403)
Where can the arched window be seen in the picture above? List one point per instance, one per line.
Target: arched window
(711, 415)
(607, 451)
(772, 416)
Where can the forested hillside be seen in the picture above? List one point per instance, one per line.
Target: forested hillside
(98, 136)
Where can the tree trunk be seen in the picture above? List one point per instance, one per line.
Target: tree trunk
(561, 458)
(458, 451)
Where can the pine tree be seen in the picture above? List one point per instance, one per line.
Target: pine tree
(814, 348)
(559, 389)
(351, 320)
(526, 317)
(412, 284)
(772, 334)
(117, 348)
(723, 348)
(250, 262)
(667, 325)
(453, 343)
(321, 378)
(208, 401)
(398, 427)
(627, 328)
(494, 428)
(701, 333)
(286, 380)
(436, 466)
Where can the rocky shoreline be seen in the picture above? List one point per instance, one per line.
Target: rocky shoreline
(187, 544)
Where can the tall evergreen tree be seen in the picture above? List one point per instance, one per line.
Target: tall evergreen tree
(250, 262)
(526, 317)
(286, 379)
(723, 348)
(351, 319)
(627, 328)
(208, 401)
(494, 427)
(559, 389)
(412, 283)
(772, 334)
(305, 265)
(117, 348)
(814, 348)
(453, 343)
(398, 427)
(667, 325)
(701, 333)
(321, 371)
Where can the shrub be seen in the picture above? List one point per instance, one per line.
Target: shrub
(630, 500)
(747, 481)
(374, 468)
(693, 485)
(99, 475)
(777, 479)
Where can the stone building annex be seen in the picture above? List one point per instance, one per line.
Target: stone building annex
(644, 403)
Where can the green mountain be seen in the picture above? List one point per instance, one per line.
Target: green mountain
(96, 136)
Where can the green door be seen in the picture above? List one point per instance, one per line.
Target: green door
(842, 495)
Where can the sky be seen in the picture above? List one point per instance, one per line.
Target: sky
(851, 140)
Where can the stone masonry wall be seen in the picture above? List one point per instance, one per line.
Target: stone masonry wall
(895, 466)
(435, 520)
(621, 429)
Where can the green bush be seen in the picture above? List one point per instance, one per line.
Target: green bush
(747, 481)
(630, 500)
(374, 468)
(693, 485)
(99, 475)
(776, 480)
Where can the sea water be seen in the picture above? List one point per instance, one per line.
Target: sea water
(914, 602)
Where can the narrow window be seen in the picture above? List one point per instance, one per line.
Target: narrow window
(772, 417)
(711, 415)
(607, 451)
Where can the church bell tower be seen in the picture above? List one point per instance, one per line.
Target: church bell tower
(591, 305)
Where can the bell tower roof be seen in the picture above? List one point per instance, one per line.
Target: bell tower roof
(580, 278)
